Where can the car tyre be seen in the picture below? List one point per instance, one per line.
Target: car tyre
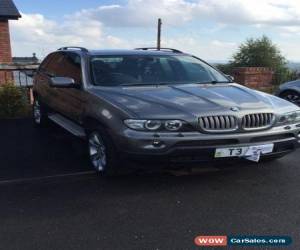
(39, 114)
(101, 152)
(291, 96)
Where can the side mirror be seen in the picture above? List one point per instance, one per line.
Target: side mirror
(62, 82)
(230, 77)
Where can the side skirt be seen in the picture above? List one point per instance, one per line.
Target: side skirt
(67, 124)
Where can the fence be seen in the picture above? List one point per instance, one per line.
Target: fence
(19, 75)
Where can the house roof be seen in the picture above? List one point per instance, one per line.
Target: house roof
(25, 60)
(8, 10)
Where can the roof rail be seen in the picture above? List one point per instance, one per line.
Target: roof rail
(74, 47)
(154, 48)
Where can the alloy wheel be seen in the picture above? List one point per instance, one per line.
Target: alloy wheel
(97, 152)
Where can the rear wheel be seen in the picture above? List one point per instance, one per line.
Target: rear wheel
(39, 114)
(102, 154)
(291, 96)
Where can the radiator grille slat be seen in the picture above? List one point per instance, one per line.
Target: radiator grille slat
(212, 122)
(218, 124)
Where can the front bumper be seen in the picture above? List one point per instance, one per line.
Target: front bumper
(197, 147)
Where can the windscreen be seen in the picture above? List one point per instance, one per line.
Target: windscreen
(148, 69)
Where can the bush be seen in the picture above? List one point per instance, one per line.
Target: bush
(284, 75)
(13, 101)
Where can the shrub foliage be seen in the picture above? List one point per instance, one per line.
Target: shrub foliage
(13, 101)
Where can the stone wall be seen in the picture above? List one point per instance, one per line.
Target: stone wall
(254, 77)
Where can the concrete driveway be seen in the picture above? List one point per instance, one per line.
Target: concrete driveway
(49, 199)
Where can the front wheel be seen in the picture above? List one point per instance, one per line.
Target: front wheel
(102, 154)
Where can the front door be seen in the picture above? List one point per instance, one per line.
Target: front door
(71, 99)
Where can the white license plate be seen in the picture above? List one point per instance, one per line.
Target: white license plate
(244, 151)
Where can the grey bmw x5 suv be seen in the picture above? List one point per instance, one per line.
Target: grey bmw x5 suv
(159, 106)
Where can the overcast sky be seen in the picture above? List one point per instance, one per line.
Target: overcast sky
(211, 29)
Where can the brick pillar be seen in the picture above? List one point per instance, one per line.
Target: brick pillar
(5, 50)
(254, 77)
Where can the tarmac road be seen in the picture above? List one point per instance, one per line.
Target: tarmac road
(49, 199)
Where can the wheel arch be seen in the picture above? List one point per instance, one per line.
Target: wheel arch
(282, 92)
(90, 123)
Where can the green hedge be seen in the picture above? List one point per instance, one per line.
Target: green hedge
(14, 101)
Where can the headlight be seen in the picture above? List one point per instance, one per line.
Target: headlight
(135, 124)
(154, 125)
(289, 118)
(174, 125)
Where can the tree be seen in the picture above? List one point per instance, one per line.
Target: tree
(261, 52)
(226, 68)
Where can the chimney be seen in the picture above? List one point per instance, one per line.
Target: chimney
(8, 11)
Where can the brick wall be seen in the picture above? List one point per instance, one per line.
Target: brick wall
(5, 50)
(254, 77)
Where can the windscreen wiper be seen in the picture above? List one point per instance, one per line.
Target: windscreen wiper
(214, 82)
(168, 83)
(143, 84)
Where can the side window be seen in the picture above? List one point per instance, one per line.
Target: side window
(45, 62)
(55, 66)
(72, 67)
